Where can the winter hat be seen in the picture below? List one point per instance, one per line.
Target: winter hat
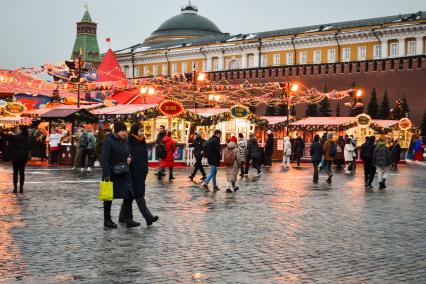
(251, 135)
(329, 135)
(119, 126)
(269, 132)
(234, 139)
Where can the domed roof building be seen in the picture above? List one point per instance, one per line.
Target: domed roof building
(188, 24)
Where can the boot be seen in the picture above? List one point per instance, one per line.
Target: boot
(122, 216)
(381, 185)
(132, 224)
(21, 189)
(171, 174)
(15, 188)
(140, 201)
(108, 223)
(384, 183)
(153, 220)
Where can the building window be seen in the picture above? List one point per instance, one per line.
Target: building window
(303, 57)
(155, 70)
(362, 55)
(164, 69)
(393, 49)
(250, 61)
(347, 54)
(184, 67)
(289, 58)
(277, 59)
(317, 56)
(204, 65)
(174, 68)
(146, 70)
(331, 56)
(215, 64)
(411, 47)
(264, 60)
(377, 51)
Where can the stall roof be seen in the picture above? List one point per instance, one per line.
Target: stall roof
(207, 112)
(123, 109)
(385, 123)
(69, 114)
(275, 119)
(40, 111)
(324, 121)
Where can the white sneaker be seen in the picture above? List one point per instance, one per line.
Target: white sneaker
(82, 170)
(73, 168)
(259, 174)
(89, 169)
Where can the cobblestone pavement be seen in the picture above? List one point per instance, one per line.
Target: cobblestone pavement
(279, 228)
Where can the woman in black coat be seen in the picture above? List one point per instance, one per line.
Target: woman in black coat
(115, 152)
(18, 151)
(299, 147)
(139, 170)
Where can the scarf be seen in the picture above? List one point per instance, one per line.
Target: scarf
(138, 138)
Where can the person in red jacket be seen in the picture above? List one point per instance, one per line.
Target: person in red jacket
(169, 161)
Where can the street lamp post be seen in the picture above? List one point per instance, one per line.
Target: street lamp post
(355, 95)
(288, 91)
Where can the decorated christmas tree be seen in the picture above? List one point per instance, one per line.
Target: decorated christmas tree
(384, 107)
(373, 106)
(398, 111)
(325, 109)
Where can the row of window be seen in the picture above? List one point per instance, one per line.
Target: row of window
(289, 58)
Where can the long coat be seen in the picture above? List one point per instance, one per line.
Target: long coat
(269, 147)
(233, 171)
(115, 151)
(349, 152)
(169, 161)
(299, 147)
(382, 155)
(139, 165)
(18, 147)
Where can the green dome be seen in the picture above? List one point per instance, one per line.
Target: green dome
(186, 25)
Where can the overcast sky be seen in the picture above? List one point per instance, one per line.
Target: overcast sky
(34, 32)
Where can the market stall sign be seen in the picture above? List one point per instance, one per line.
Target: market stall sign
(14, 108)
(363, 120)
(239, 111)
(171, 108)
(404, 124)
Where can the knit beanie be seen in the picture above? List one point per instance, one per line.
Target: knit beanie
(119, 126)
(234, 139)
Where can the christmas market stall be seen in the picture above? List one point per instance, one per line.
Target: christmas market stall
(359, 127)
(278, 126)
(63, 120)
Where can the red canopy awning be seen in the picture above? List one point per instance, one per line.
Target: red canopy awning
(109, 69)
(133, 97)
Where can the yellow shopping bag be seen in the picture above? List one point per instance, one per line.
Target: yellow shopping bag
(106, 191)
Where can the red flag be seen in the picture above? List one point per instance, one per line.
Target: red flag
(108, 39)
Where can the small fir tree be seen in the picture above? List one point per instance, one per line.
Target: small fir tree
(311, 110)
(338, 110)
(293, 110)
(398, 111)
(373, 106)
(324, 109)
(282, 110)
(384, 107)
(271, 110)
(405, 107)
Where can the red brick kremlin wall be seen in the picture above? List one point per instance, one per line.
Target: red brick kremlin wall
(398, 76)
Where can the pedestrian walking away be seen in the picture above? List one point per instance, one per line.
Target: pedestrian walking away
(232, 158)
(138, 171)
(396, 153)
(19, 153)
(287, 152)
(367, 153)
(212, 153)
(115, 167)
(382, 160)
(169, 159)
(349, 155)
(339, 159)
(330, 151)
(253, 155)
(87, 144)
(269, 149)
(77, 158)
(242, 146)
(316, 156)
(198, 152)
(299, 147)
(159, 145)
(38, 144)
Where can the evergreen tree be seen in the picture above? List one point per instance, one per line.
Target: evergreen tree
(373, 106)
(423, 133)
(311, 110)
(405, 107)
(398, 111)
(356, 111)
(338, 110)
(324, 109)
(293, 110)
(271, 110)
(384, 107)
(282, 110)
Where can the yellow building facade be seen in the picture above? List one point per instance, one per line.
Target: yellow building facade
(189, 42)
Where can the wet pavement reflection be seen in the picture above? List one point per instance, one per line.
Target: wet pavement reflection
(278, 228)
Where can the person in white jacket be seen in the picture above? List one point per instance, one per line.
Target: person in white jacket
(287, 152)
(349, 155)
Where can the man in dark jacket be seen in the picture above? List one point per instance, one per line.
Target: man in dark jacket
(316, 156)
(367, 152)
(18, 151)
(161, 171)
(198, 154)
(269, 149)
(299, 147)
(396, 154)
(212, 152)
(253, 154)
(382, 160)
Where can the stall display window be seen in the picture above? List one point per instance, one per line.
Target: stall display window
(147, 126)
(176, 129)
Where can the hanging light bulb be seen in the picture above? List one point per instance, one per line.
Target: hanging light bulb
(151, 91)
(143, 90)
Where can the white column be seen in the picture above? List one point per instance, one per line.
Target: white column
(401, 47)
(385, 46)
(244, 59)
(221, 62)
(420, 45)
(209, 63)
(256, 59)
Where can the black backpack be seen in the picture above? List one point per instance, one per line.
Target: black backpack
(161, 150)
(83, 141)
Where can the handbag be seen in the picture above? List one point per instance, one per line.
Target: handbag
(120, 169)
(106, 190)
